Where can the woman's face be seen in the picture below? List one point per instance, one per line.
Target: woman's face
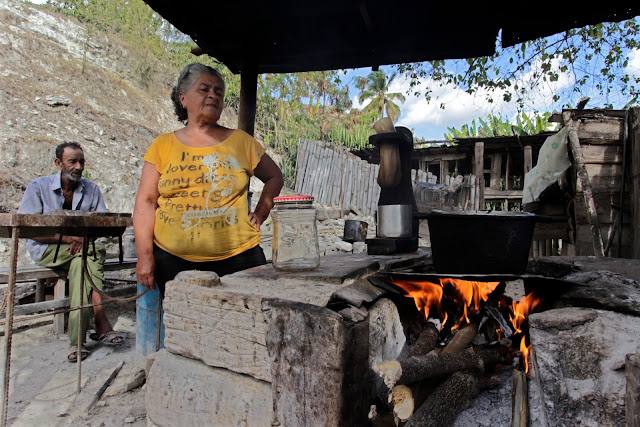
(204, 100)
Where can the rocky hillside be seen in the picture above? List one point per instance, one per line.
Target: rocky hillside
(57, 84)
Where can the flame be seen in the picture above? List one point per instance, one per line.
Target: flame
(428, 296)
(521, 311)
(469, 296)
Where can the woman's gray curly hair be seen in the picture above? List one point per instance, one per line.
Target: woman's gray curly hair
(186, 79)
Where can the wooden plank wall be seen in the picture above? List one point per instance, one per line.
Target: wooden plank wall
(601, 140)
(335, 177)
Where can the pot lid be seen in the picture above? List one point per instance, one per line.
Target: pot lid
(299, 198)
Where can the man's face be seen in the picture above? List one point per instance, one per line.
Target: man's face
(71, 165)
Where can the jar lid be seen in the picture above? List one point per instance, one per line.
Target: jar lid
(286, 199)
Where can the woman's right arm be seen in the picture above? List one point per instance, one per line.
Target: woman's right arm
(144, 216)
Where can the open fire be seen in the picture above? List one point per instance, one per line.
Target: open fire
(468, 298)
(454, 350)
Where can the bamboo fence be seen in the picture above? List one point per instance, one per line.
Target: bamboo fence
(335, 177)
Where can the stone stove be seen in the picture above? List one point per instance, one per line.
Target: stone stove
(269, 348)
(261, 347)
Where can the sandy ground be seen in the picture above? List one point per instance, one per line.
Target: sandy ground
(43, 388)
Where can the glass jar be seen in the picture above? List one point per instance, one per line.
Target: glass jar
(295, 236)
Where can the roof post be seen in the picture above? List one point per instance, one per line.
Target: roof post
(248, 90)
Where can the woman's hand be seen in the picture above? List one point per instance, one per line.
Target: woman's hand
(255, 220)
(144, 216)
(145, 268)
(268, 172)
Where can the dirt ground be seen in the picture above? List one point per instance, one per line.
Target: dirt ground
(43, 388)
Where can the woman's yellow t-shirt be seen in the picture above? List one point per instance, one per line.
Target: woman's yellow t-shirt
(202, 212)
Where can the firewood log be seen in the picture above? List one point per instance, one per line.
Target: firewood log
(451, 397)
(426, 342)
(406, 399)
(436, 364)
(401, 399)
(462, 339)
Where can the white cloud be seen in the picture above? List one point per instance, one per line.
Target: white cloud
(633, 68)
(462, 107)
(430, 121)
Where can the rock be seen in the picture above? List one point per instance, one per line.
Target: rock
(202, 395)
(386, 338)
(207, 279)
(130, 420)
(359, 247)
(344, 246)
(56, 101)
(124, 324)
(578, 355)
(603, 289)
(325, 213)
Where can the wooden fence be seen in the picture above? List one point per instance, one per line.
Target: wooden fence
(335, 177)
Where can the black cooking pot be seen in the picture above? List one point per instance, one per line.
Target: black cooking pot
(481, 242)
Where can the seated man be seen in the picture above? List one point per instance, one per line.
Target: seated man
(68, 190)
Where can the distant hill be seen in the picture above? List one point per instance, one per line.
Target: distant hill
(57, 85)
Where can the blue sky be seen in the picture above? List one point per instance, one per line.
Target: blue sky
(429, 121)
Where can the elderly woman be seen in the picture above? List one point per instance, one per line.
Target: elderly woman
(192, 210)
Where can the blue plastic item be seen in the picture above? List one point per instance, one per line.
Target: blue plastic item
(146, 324)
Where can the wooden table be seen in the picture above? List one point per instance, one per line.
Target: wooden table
(87, 225)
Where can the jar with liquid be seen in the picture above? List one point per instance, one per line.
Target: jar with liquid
(295, 236)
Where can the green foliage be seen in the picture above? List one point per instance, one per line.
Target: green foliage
(497, 126)
(592, 59)
(375, 88)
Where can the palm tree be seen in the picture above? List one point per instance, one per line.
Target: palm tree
(375, 87)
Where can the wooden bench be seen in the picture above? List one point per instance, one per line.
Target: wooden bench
(42, 275)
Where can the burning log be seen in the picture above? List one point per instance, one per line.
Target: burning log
(450, 398)
(427, 341)
(519, 399)
(462, 339)
(436, 364)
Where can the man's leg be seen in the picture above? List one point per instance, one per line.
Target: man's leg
(63, 260)
(73, 263)
(95, 267)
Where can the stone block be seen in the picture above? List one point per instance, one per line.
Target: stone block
(223, 326)
(182, 391)
(579, 364)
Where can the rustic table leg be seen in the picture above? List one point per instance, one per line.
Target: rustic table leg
(8, 331)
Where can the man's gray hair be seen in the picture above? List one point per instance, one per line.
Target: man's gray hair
(186, 79)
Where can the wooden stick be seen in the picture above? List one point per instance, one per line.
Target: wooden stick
(104, 386)
(587, 192)
(519, 399)
(85, 251)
